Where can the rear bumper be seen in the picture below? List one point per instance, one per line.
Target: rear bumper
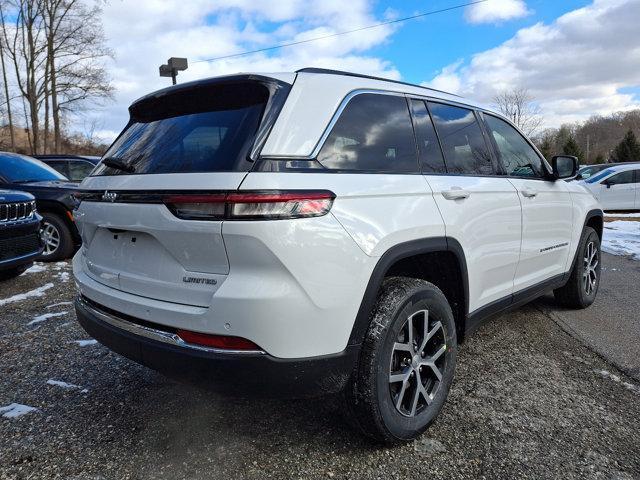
(234, 373)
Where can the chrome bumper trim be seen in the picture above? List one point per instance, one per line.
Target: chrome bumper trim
(157, 335)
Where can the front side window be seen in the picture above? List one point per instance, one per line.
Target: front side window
(374, 133)
(80, 169)
(465, 150)
(428, 146)
(518, 157)
(621, 178)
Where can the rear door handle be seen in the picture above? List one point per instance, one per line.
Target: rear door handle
(456, 193)
(528, 193)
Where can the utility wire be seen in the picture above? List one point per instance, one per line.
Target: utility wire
(315, 39)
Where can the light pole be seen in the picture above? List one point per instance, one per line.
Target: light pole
(172, 67)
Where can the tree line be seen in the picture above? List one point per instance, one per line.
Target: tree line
(601, 139)
(52, 56)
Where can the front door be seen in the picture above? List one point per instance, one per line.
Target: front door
(546, 207)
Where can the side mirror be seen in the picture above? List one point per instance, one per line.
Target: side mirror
(607, 183)
(564, 166)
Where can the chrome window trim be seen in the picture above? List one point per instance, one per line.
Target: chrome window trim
(157, 335)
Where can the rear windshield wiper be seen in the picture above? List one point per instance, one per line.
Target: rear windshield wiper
(118, 164)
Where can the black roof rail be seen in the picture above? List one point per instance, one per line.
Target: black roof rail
(328, 71)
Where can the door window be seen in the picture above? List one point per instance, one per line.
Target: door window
(374, 133)
(80, 169)
(620, 178)
(429, 151)
(465, 151)
(60, 166)
(518, 157)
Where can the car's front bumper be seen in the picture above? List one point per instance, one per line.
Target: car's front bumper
(231, 372)
(24, 240)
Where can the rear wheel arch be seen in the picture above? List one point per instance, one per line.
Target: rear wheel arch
(439, 260)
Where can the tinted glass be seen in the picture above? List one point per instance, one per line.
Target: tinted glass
(620, 178)
(79, 169)
(465, 150)
(373, 133)
(19, 168)
(518, 157)
(59, 166)
(428, 147)
(599, 176)
(194, 131)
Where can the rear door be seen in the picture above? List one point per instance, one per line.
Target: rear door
(153, 226)
(547, 208)
(480, 207)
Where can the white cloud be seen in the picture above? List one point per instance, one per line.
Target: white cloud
(493, 11)
(574, 67)
(144, 33)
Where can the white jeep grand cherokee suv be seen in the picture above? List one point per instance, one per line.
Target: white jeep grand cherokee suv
(322, 231)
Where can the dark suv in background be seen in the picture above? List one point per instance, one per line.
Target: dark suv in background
(20, 242)
(54, 199)
(74, 167)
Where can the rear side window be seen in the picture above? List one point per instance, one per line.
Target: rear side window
(518, 157)
(374, 133)
(202, 130)
(429, 151)
(465, 150)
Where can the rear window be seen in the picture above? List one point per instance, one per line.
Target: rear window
(203, 129)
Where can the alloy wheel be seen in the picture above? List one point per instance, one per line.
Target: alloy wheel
(418, 360)
(590, 274)
(51, 237)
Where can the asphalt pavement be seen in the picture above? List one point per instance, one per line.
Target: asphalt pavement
(529, 400)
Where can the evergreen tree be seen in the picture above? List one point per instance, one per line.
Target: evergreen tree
(546, 149)
(628, 150)
(571, 147)
(600, 158)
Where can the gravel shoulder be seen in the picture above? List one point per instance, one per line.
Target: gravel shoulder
(528, 401)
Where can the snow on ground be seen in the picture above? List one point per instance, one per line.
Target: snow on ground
(85, 343)
(622, 237)
(36, 268)
(622, 215)
(37, 292)
(45, 316)
(66, 386)
(16, 410)
(63, 276)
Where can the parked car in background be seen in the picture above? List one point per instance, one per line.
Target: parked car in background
(20, 240)
(54, 199)
(588, 171)
(617, 187)
(74, 167)
(310, 232)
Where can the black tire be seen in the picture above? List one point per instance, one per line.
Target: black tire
(372, 398)
(13, 272)
(65, 240)
(580, 292)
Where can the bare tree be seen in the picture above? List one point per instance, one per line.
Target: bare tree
(7, 96)
(518, 106)
(25, 48)
(75, 48)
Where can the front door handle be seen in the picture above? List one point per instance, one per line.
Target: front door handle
(526, 192)
(456, 193)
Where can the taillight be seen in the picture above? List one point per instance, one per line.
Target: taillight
(223, 342)
(251, 206)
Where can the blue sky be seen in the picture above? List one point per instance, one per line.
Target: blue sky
(577, 58)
